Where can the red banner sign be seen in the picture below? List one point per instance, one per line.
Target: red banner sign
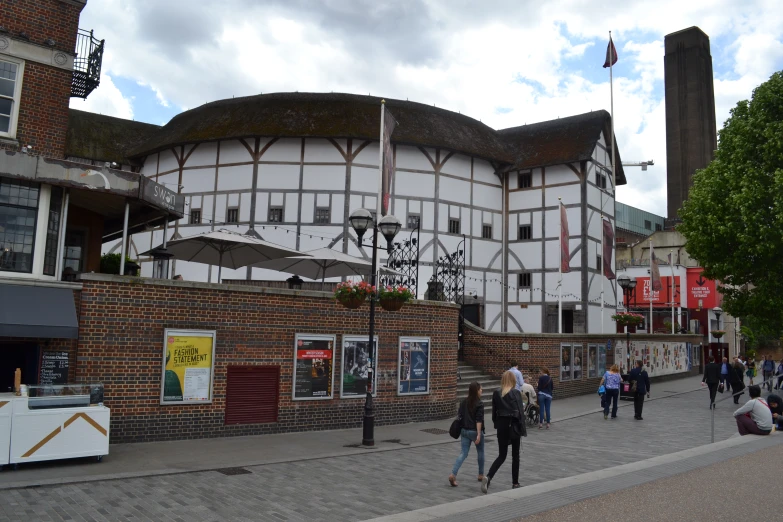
(662, 297)
(313, 354)
(702, 292)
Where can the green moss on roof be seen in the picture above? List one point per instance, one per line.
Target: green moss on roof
(103, 138)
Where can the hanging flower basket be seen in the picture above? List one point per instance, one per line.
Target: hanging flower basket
(352, 295)
(718, 333)
(628, 319)
(392, 298)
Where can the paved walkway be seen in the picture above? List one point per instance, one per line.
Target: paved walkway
(313, 476)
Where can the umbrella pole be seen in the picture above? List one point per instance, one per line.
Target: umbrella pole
(220, 265)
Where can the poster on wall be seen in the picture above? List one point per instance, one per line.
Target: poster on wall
(188, 364)
(576, 363)
(356, 363)
(592, 361)
(601, 360)
(565, 362)
(313, 367)
(413, 377)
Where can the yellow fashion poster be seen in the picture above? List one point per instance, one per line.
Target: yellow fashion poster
(187, 367)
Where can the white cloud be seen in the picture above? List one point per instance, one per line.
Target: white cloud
(106, 99)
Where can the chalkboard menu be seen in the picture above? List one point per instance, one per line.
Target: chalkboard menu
(54, 368)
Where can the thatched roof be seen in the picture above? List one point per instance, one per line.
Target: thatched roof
(103, 138)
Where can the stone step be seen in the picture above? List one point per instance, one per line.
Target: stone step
(486, 382)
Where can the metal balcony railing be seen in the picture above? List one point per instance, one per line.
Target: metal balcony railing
(86, 65)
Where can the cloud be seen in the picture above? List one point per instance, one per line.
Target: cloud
(106, 99)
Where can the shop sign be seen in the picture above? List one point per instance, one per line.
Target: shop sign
(313, 367)
(413, 376)
(701, 291)
(356, 363)
(661, 297)
(188, 366)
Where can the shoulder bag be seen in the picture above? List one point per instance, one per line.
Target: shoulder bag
(456, 425)
(518, 428)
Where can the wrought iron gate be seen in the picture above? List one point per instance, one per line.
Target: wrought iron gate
(448, 284)
(404, 258)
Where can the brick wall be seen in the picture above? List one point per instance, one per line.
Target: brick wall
(121, 345)
(42, 20)
(494, 352)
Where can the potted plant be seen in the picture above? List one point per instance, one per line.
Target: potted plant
(628, 319)
(352, 295)
(718, 333)
(393, 297)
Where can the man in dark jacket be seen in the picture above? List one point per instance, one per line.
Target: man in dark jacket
(639, 375)
(711, 379)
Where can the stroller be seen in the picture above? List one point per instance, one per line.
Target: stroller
(531, 411)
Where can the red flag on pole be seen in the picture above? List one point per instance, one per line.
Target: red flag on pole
(565, 254)
(389, 123)
(611, 54)
(608, 248)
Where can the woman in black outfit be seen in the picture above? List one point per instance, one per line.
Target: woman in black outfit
(508, 417)
(737, 379)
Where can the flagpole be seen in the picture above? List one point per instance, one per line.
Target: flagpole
(671, 265)
(560, 271)
(380, 166)
(651, 286)
(614, 173)
(601, 268)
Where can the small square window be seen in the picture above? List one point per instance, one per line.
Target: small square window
(598, 265)
(525, 179)
(600, 179)
(524, 280)
(658, 226)
(525, 232)
(232, 216)
(647, 224)
(322, 215)
(453, 226)
(413, 221)
(486, 231)
(275, 215)
(195, 216)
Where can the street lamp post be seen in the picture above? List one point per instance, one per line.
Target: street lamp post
(718, 311)
(361, 220)
(628, 285)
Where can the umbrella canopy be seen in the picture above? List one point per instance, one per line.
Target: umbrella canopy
(322, 263)
(225, 249)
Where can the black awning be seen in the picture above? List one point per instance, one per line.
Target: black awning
(36, 311)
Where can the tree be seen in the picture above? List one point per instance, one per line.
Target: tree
(733, 218)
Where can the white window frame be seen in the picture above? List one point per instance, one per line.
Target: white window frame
(11, 134)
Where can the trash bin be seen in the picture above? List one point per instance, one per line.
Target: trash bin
(625, 389)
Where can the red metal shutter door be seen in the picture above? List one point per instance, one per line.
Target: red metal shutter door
(252, 393)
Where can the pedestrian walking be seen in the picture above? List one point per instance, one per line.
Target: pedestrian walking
(642, 380)
(751, 369)
(767, 372)
(754, 416)
(711, 379)
(508, 418)
(779, 373)
(611, 381)
(725, 373)
(519, 378)
(472, 432)
(737, 379)
(545, 393)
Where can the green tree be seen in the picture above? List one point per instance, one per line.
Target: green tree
(733, 218)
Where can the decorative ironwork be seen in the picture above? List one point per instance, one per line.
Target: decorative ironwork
(448, 278)
(86, 65)
(404, 258)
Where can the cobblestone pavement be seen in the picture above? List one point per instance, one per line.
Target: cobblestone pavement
(366, 486)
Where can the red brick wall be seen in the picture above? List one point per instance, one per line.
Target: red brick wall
(121, 345)
(494, 352)
(43, 19)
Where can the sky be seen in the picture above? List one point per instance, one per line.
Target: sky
(504, 62)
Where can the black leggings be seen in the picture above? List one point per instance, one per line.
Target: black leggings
(504, 437)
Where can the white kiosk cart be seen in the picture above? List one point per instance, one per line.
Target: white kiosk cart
(56, 422)
(5, 427)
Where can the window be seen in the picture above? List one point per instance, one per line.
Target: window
(18, 212)
(600, 179)
(525, 179)
(53, 231)
(524, 280)
(647, 224)
(413, 221)
(275, 214)
(453, 226)
(486, 232)
(195, 216)
(525, 232)
(598, 265)
(232, 216)
(73, 257)
(658, 226)
(9, 74)
(322, 215)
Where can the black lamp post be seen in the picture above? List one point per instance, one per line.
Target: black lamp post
(628, 285)
(294, 282)
(361, 220)
(718, 311)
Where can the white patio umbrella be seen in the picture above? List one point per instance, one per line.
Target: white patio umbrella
(225, 249)
(323, 263)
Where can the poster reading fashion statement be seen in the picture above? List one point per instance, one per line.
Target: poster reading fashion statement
(188, 362)
(313, 367)
(592, 361)
(356, 364)
(565, 362)
(577, 360)
(414, 367)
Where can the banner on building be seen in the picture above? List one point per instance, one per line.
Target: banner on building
(608, 249)
(188, 366)
(414, 366)
(702, 292)
(356, 363)
(389, 123)
(313, 367)
(660, 298)
(565, 253)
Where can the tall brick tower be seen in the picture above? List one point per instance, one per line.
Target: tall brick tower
(691, 132)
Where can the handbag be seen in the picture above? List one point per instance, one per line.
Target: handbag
(518, 428)
(455, 430)
(720, 388)
(601, 390)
